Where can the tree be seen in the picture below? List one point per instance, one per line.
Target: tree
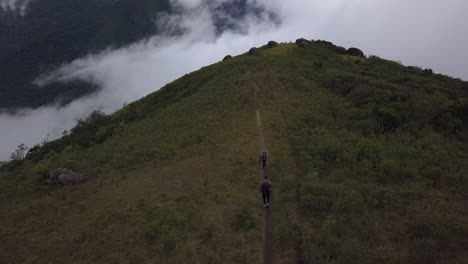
(19, 153)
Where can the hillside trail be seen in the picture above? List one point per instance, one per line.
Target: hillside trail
(267, 237)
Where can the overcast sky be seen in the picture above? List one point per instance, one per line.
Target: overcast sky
(426, 33)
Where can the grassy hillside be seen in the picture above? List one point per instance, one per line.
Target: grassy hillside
(367, 157)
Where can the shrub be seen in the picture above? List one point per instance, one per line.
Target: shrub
(423, 251)
(343, 83)
(386, 254)
(388, 119)
(213, 233)
(352, 251)
(165, 227)
(19, 153)
(318, 65)
(85, 132)
(428, 71)
(244, 219)
(432, 173)
(321, 198)
(394, 172)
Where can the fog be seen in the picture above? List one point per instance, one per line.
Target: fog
(17, 6)
(426, 33)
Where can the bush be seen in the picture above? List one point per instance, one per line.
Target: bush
(428, 71)
(85, 133)
(352, 251)
(395, 172)
(244, 219)
(318, 65)
(165, 228)
(343, 83)
(432, 173)
(423, 251)
(388, 119)
(322, 198)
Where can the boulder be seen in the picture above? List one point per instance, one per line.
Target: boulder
(254, 51)
(355, 52)
(340, 50)
(272, 44)
(302, 41)
(65, 177)
(228, 57)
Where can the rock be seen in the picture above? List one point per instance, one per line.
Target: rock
(340, 50)
(228, 57)
(272, 44)
(254, 51)
(355, 52)
(65, 177)
(302, 42)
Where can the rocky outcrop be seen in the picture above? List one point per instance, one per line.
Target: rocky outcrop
(65, 177)
(301, 42)
(228, 57)
(355, 52)
(272, 44)
(340, 50)
(254, 51)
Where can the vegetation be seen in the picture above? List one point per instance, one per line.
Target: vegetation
(19, 153)
(367, 157)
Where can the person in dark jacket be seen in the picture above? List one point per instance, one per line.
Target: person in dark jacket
(265, 189)
(263, 158)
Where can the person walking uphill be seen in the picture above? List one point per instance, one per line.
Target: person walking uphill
(263, 158)
(265, 189)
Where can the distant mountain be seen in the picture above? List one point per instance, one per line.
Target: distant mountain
(53, 32)
(368, 160)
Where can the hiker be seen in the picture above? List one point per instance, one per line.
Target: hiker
(263, 158)
(265, 189)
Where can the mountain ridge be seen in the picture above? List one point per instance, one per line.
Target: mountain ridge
(367, 156)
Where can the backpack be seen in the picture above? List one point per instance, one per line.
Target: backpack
(264, 155)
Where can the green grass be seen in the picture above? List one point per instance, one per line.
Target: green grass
(367, 158)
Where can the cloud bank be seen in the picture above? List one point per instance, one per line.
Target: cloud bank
(19, 6)
(427, 33)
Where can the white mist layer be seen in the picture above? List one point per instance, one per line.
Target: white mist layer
(19, 6)
(428, 33)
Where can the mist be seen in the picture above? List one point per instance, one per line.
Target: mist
(18, 6)
(426, 33)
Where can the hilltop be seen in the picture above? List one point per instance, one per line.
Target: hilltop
(367, 159)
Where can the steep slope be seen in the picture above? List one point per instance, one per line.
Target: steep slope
(368, 161)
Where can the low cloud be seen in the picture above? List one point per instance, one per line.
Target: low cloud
(427, 33)
(18, 6)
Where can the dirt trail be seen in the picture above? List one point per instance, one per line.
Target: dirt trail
(267, 237)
